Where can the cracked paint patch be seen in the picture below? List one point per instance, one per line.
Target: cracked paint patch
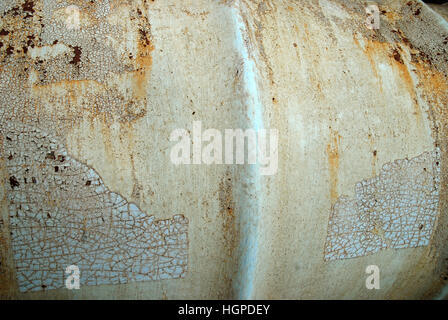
(394, 210)
(62, 214)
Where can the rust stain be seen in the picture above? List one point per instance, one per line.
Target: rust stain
(202, 14)
(398, 64)
(434, 86)
(144, 63)
(227, 205)
(74, 92)
(371, 50)
(77, 51)
(229, 230)
(67, 84)
(392, 16)
(305, 28)
(376, 51)
(434, 89)
(8, 284)
(333, 155)
(433, 83)
(131, 147)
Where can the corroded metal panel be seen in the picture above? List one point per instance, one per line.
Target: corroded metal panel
(90, 93)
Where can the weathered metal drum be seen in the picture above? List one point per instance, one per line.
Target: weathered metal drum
(91, 93)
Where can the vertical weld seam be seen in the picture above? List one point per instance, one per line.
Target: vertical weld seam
(249, 219)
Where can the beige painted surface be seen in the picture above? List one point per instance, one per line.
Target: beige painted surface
(345, 99)
(441, 9)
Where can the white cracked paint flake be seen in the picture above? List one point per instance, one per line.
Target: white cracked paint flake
(62, 214)
(60, 211)
(396, 209)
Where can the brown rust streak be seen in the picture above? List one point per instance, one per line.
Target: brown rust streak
(139, 77)
(227, 205)
(8, 284)
(434, 84)
(230, 230)
(371, 50)
(333, 155)
(374, 51)
(397, 63)
(144, 64)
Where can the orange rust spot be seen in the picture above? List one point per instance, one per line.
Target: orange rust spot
(392, 16)
(333, 163)
(144, 64)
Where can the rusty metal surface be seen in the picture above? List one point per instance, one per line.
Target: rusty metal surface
(86, 115)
